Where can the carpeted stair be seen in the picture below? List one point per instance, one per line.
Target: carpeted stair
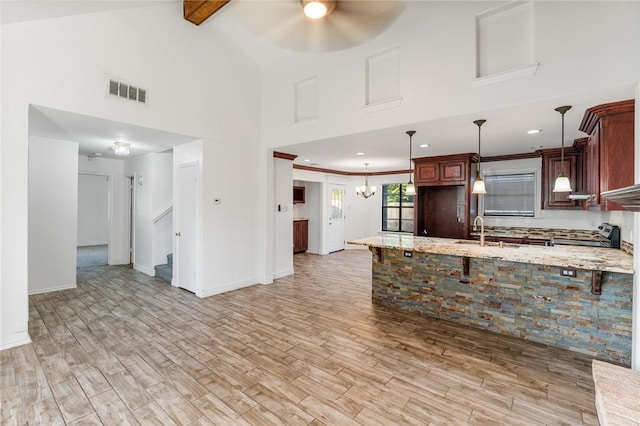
(165, 272)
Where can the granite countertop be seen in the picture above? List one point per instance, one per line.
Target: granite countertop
(617, 394)
(579, 257)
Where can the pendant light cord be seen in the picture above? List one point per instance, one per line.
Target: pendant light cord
(410, 133)
(562, 110)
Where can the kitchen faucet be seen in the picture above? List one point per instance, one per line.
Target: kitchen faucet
(475, 228)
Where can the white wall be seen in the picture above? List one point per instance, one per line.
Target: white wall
(213, 96)
(53, 212)
(93, 207)
(161, 199)
(581, 47)
(283, 217)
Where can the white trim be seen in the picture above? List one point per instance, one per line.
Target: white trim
(380, 106)
(212, 291)
(48, 290)
(501, 77)
(283, 273)
(163, 213)
(148, 271)
(19, 340)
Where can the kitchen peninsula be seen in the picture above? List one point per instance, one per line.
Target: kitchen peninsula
(575, 298)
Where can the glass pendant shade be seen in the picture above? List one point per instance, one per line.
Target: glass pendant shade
(562, 184)
(410, 189)
(478, 186)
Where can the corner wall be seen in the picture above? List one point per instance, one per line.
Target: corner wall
(53, 214)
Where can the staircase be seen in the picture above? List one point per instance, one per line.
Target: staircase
(165, 272)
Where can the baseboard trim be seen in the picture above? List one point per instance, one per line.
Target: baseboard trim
(212, 291)
(282, 274)
(18, 340)
(148, 271)
(49, 290)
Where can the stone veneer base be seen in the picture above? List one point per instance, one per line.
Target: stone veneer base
(528, 301)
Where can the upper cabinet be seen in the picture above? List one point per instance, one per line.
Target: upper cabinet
(444, 170)
(298, 194)
(609, 153)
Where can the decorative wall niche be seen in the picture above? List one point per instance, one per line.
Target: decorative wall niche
(306, 100)
(382, 74)
(505, 43)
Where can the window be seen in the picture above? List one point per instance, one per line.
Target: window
(397, 208)
(510, 195)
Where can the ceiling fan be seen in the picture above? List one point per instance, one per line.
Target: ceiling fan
(317, 25)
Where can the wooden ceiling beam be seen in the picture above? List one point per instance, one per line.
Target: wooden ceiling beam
(198, 11)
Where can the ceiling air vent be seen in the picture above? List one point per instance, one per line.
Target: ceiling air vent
(123, 90)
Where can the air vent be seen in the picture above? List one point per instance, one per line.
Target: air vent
(123, 90)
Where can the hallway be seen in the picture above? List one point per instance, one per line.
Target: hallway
(310, 348)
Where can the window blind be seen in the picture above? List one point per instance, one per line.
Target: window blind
(510, 195)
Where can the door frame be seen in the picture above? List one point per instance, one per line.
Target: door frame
(344, 186)
(111, 240)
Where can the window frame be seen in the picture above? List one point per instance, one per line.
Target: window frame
(403, 187)
(512, 169)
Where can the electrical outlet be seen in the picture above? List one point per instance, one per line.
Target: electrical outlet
(408, 253)
(567, 272)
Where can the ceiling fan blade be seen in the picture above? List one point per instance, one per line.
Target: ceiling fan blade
(351, 23)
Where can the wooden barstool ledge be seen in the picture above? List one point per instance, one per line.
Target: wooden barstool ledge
(617, 394)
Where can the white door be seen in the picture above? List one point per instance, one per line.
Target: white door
(185, 259)
(335, 231)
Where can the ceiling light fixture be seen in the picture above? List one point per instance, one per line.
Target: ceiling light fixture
(425, 145)
(122, 148)
(533, 131)
(365, 190)
(316, 9)
(411, 188)
(359, 153)
(478, 185)
(562, 181)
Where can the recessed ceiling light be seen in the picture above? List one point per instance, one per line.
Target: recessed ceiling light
(306, 160)
(533, 131)
(359, 153)
(425, 145)
(536, 147)
(97, 154)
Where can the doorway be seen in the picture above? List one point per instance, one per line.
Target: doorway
(93, 220)
(335, 233)
(186, 227)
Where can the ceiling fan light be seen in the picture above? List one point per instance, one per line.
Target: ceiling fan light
(316, 9)
(121, 148)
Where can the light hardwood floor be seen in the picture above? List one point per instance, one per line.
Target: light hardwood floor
(124, 348)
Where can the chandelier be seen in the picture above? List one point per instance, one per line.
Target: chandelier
(365, 190)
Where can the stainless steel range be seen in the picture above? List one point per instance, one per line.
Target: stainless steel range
(610, 238)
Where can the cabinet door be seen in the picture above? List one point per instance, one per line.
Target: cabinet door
(452, 171)
(553, 167)
(616, 155)
(427, 172)
(300, 236)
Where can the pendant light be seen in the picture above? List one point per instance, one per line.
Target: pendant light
(478, 185)
(316, 9)
(365, 190)
(411, 188)
(562, 181)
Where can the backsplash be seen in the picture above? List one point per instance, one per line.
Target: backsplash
(541, 233)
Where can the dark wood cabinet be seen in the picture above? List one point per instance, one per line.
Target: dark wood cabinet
(609, 151)
(300, 235)
(552, 167)
(298, 194)
(444, 205)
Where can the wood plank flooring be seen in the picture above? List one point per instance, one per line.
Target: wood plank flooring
(310, 349)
